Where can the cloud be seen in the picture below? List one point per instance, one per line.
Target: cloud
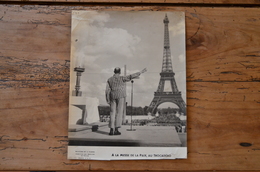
(108, 70)
(181, 58)
(94, 90)
(101, 87)
(88, 18)
(178, 28)
(110, 41)
(91, 40)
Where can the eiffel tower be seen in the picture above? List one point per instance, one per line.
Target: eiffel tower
(167, 74)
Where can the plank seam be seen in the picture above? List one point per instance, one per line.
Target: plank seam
(127, 4)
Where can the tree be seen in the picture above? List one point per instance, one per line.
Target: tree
(146, 110)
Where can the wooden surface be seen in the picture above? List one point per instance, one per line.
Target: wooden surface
(176, 2)
(223, 89)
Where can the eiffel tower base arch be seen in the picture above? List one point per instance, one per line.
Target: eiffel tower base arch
(165, 97)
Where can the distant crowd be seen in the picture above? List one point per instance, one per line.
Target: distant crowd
(169, 119)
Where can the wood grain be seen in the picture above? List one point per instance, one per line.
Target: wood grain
(223, 88)
(177, 2)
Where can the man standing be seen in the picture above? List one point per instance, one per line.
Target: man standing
(115, 94)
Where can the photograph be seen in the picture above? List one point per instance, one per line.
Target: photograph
(127, 85)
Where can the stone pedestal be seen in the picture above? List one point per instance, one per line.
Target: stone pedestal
(83, 110)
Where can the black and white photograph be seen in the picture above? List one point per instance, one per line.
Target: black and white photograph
(127, 85)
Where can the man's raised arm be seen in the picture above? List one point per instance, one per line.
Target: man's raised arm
(135, 75)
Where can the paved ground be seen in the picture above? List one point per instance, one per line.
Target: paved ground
(153, 136)
(183, 139)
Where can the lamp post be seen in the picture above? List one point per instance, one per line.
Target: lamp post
(76, 92)
(132, 95)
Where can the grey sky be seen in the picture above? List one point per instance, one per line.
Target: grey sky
(104, 40)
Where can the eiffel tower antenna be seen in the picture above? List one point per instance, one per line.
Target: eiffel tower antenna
(167, 62)
(167, 74)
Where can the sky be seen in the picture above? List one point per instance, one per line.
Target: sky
(103, 40)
